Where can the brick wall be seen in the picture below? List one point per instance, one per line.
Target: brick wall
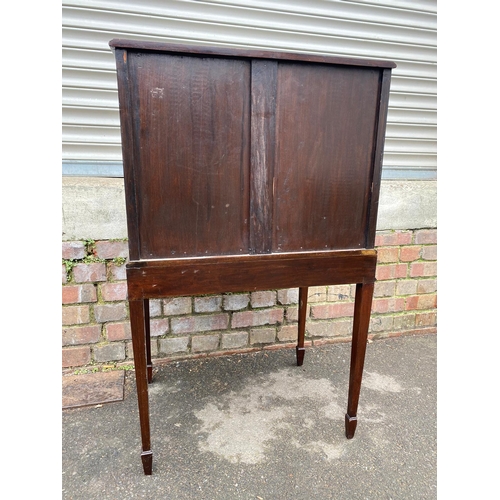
(96, 330)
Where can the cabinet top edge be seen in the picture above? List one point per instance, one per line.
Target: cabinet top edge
(203, 50)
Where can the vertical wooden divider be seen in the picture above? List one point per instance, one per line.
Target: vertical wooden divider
(262, 148)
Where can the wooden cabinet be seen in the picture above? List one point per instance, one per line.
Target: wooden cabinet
(248, 170)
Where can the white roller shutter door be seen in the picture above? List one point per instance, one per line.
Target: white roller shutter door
(402, 31)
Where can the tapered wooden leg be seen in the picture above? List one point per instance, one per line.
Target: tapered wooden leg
(138, 327)
(300, 349)
(361, 323)
(149, 364)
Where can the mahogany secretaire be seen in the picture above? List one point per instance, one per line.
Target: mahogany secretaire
(248, 170)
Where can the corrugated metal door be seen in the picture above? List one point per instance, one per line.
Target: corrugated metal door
(400, 30)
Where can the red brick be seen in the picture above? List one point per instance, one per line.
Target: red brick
(114, 291)
(79, 293)
(111, 249)
(341, 292)
(409, 254)
(76, 356)
(288, 345)
(234, 340)
(288, 296)
(335, 310)
(288, 332)
(429, 252)
(406, 287)
(118, 331)
(393, 238)
(292, 313)
(384, 288)
(75, 315)
(210, 303)
(421, 302)
(427, 301)
(177, 305)
(388, 305)
(73, 250)
(262, 335)
(81, 335)
(423, 269)
(109, 352)
(426, 236)
(174, 345)
(70, 294)
(336, 340)
(257, 318)
(426, 286)
(426, 319)
(191, 324)
(95, 271)
(159, 327)
(204, 343)
(110, 312)
(381, 323)
(391, 271)
(263, 299)
(412, 303)
(387, 254)
(130, 351)
(404, 321)
(329, 328)
(116, 272)
(154, 308)
(235, 302)
(317, 294)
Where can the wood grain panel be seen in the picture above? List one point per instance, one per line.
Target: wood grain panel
(248, 272)
(192, 125)
(326, 121)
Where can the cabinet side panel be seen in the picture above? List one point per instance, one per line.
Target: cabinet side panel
(385, 83)
(128, 150)
(326, 119)
(192, 125)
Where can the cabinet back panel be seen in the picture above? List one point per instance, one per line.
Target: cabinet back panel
(192, 125)
(326, 122)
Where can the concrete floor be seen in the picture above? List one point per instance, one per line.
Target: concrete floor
(256, 426)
